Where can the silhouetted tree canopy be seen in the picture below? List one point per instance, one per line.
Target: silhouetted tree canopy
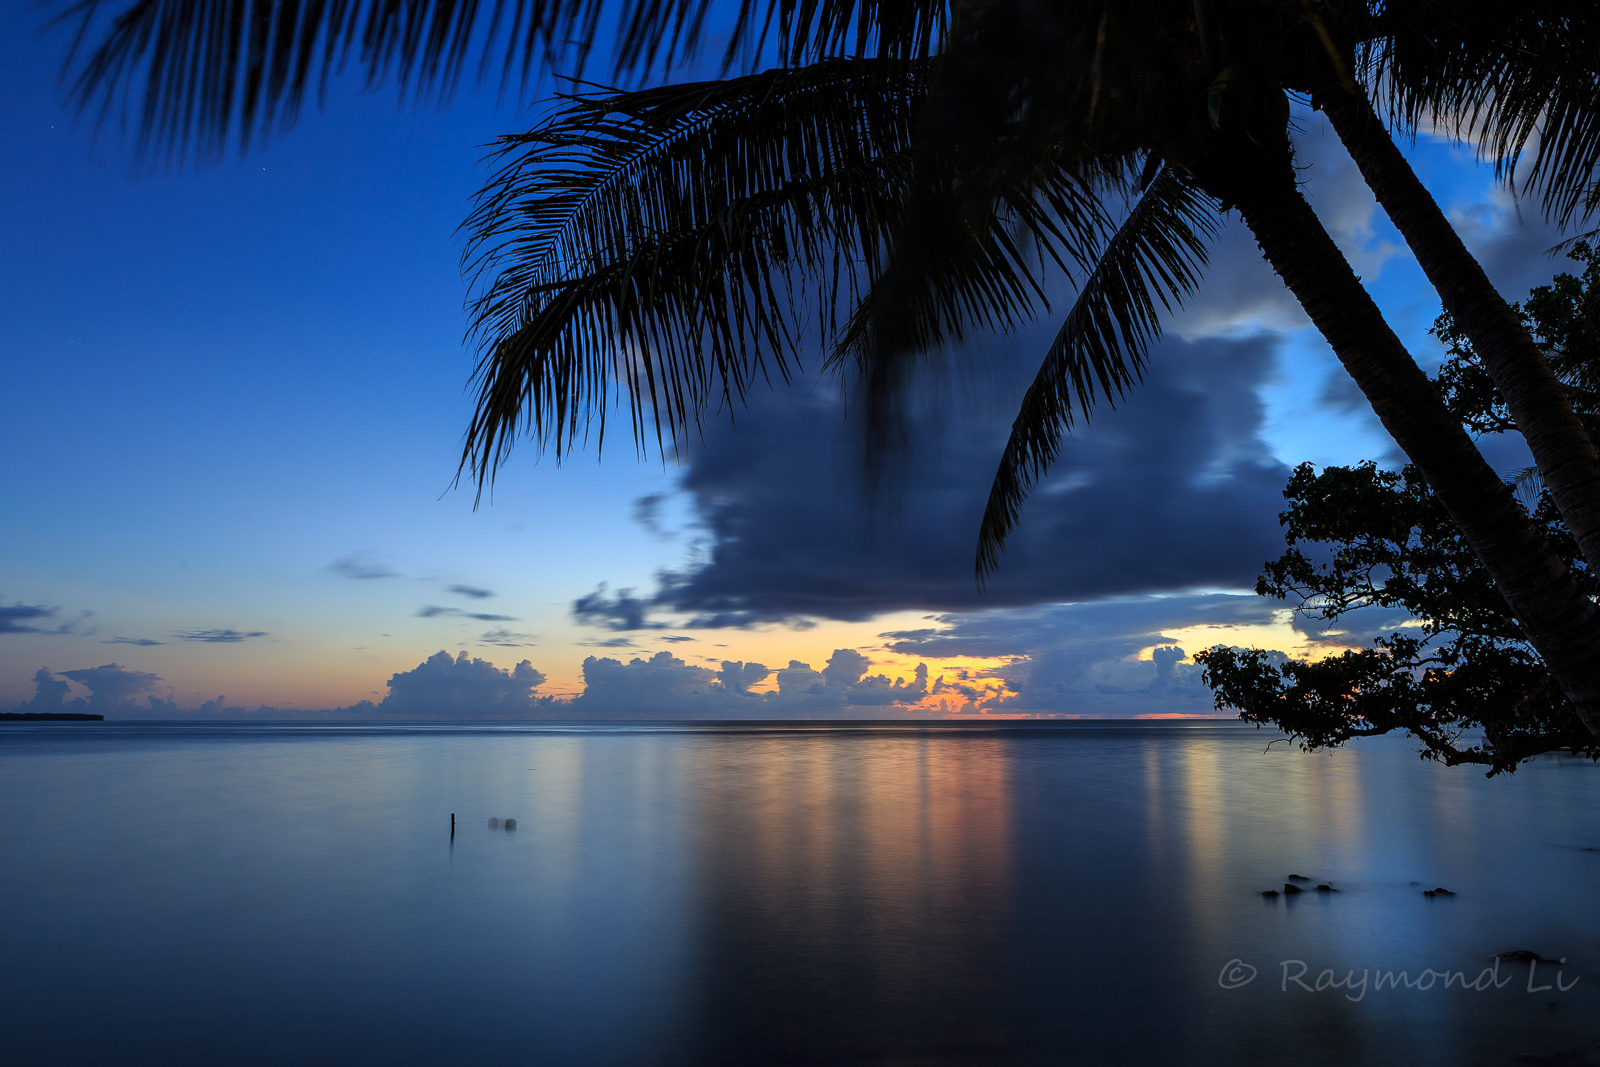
(1460, 677)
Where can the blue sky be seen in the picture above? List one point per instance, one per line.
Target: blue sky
(236, 397)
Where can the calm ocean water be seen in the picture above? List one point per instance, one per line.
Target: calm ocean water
(782, 893)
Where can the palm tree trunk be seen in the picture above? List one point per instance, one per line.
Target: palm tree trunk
(1560, 446)
(1560, 622)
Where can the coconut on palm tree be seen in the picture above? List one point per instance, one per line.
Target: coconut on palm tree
(897, 179)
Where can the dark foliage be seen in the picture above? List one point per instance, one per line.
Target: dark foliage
(1461, 679)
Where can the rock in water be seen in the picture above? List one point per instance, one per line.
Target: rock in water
(1290, 889)
(1326, 888)
(510, 824)
(1269, 892)
(494, 823)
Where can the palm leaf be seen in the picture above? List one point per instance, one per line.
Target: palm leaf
(668, 243)
(1151, 264)
(1510, 77)
(1017, 150)
(186, 75)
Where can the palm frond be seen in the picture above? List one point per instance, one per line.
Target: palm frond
(1017, 150)
(667, 242)
(676, 244)
(1150, 265)
(1528, 485)
(1514, 78)
(187, 75)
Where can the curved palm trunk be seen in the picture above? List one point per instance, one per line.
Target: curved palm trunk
(1560, 446)
(1560, 622)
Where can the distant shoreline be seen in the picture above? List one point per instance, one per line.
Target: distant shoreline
(49, 716)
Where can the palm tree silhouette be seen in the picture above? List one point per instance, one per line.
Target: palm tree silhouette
(903, 175)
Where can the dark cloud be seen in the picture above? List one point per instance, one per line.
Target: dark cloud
(677, 638)
(621, 612)
(17, 618)
(111, 686)
(462, 687)
(1173, 490)
(1513, 242)
(360, 566)
(217, 637)
(142, 642)
(506, 638)
(610, 642)
(472, 591)
(647, 513)
(22, 619)
(430, 611)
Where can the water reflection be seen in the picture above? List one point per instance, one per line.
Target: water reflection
(850, 894)
(764, 894)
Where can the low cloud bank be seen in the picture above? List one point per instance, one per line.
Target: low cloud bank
(1120, 657)
(666, 687)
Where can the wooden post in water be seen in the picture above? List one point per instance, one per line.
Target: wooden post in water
(452, 825)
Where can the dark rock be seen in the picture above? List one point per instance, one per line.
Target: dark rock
(1290, 889)
(494, 823)
(510, 824)
(1326, 888)
(1523, 955)
(1269, 892)
(1441, 891)
(1298, 878)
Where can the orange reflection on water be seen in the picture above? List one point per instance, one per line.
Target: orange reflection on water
(840, 848)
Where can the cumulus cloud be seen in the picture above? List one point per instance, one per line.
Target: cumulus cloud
(472, 591)
(443, 686)
(430, 611)
(217, 637)
(111, 686)
(844, 682)
(361, 566)
(737, 676)
(664, 686)
(1084, 659)
(48, 692)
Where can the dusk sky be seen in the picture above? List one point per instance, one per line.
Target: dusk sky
(235, 399)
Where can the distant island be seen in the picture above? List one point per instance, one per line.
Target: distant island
(48, 716)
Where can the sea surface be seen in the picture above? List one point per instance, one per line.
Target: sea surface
(795, 893)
